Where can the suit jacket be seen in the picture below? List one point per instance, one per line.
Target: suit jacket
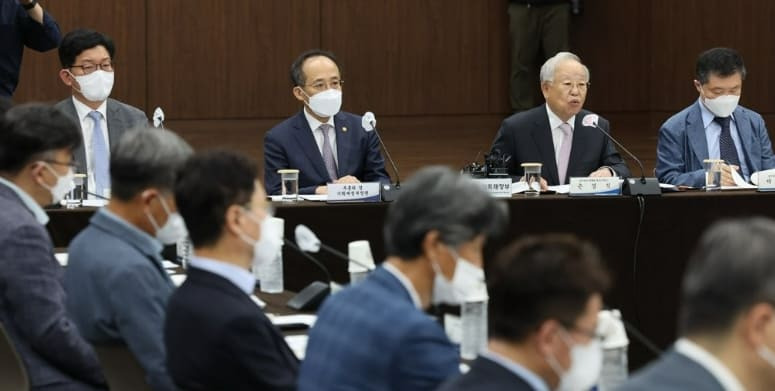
(217, 338)
(682, 145)
(486, 374)
(370, 336)
(291, 144)
(526, 136)
(119, 116)
(672, 372)
(32, 304)
(118, 290)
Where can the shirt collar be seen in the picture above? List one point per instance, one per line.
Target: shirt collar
(707, 116)
(536, 382)
(555, 121)
(145, 241)
(28, 201)
(83, 110)
(241, 278)
(314, 123)
(405, 282)
(716, 368)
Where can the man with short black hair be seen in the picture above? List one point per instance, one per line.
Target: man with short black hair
(36, 146)
(727, 316)
(87, 59)
(714, 127)
(325, 144)
(545, 294)
(116, 283)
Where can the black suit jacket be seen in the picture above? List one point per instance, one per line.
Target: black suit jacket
(486, 374)
(526, 136)
(217, 338)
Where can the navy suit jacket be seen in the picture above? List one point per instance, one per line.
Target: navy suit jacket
(672, 372)
(486, 374)
(32, 304)
(118, 290)
(526, 136)
(370, 336)
(291, 144)
(682, 145)
(217, 338)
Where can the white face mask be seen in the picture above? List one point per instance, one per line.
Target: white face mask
(586, 361)
(722, 106)
(63, 186)
(95, 86)
(173, 230)
(467, 283)
(766, 354)
(267, 246)
(326, 103)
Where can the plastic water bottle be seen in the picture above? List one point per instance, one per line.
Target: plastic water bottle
(614, 371)
(473, 324)
(183, 251)
(270, 274)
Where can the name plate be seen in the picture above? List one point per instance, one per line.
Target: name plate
(767, 180)
(353, 192)
(497, 187)
(606, 186)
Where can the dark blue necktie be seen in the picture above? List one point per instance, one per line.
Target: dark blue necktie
(726, 145)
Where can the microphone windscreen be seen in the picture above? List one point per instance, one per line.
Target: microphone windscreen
(306, 239)
(368, 121)
(590, 120)
(158, 117)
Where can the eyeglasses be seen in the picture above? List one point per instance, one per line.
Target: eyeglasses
(321, 85)
(568, 85)
(70, 164)
(89, 68)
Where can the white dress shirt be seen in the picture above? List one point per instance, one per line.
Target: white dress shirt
(314, 124)
(405, 282)
(87, 128)
(241, 278)
(706, 360)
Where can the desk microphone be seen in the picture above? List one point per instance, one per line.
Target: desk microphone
(389, 191)
(158, 118)
(310, 243)
(102, 197)
(632, 186)
(310, 298)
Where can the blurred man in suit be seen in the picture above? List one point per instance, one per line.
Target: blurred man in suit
(217, 337)
(326, 145)
(36, 147)
(545, 294)
(714, 127)
(87, 68)
(117, 286)
(375, 335)
(553, 133)
(727, 319)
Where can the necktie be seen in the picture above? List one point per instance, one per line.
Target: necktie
(100, 155)
(328, 153)
(564, 154)
(726, 145)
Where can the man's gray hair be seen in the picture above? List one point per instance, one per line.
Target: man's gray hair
(547, 70)
(437, 198)
(145, 158)
(732, 269)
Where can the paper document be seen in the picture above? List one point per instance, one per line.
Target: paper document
(305, 319)
(298, 344)
(560, 189)
(739, 181)
(95, 203)
(62, 258)
(314, 197)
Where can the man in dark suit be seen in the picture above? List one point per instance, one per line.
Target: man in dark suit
(375, 335)
(117, 286)
(87, 68)
(326, 145)
(727, 318)
(217, 337)
(36, 145)
(554, 134)
(545, 294)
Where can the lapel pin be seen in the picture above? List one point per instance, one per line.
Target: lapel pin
(344, 128)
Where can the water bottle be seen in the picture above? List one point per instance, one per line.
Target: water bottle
(183, 251)
(359, 250)
(614, 371)
(473, 324)
(270, 274)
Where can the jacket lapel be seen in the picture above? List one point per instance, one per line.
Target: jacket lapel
(306, 140)
(542, 136)
(115, 122)
(696, 133)
(745, 132)
(79, 154)
(343, 130)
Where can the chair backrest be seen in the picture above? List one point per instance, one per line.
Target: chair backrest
(13, 375)
(121, 369)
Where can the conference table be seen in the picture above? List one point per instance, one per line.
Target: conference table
(645, 242)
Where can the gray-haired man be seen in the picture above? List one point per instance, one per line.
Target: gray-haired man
(117, 287)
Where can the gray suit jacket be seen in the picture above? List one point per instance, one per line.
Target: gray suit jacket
(32, 304)
(672, 372)
(120, 117)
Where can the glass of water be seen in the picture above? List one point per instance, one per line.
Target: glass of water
(290, 184)
(712, 174)
(74, 198)
(532, 178)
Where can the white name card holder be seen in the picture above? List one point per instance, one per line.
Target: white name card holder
(767, 180)
(497, 187)
(584, 186)
(353, 192)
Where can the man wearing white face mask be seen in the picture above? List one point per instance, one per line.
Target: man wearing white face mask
(36, 146)
(325, 144)
(116, 284)
(714, 127)
(87, 59)
(375, 335)
(545, 293)
(727, 315)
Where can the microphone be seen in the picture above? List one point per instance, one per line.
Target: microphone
(310, 298)
(102, 197)
(389, 191)
(158, 118)
(642, 186)
(310, 243)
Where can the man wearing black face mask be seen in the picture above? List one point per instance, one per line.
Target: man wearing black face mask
(116, 284)
(36, 146)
